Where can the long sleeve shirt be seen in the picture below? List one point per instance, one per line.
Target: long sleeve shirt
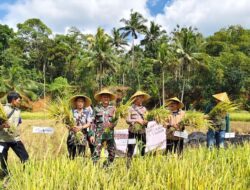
(135, 113)
(174, 120)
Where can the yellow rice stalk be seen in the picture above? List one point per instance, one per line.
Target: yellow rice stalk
(4, 118)
(122, 110)
(160, 115)
(3, 115)
(138, 127)
(221, 109)
(61, 111)
(196, 120)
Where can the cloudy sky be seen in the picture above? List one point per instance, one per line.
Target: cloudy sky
(207, 15)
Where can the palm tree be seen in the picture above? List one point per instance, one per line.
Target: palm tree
(14, 79)
(101, 54)
(165, 58)
(153, 33)
(132, 27)
(187, 42)
(118, 39)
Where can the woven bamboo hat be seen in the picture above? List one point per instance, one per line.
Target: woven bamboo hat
(140, 93)
(87, 100)
(174, 99)
(104, 91)
(223, 97)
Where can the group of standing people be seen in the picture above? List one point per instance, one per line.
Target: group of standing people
(102, 122)
(96, 127)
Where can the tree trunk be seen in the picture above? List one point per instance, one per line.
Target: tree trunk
(123, 79)
(44, 81)
(138, 79)
(44, 87)
(133, 52)
(101, 75)
(163, 87)
(183, 89)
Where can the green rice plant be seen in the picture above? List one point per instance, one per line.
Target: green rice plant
(122, 110)
(138, 127)
(160, 115)
(240, 116)
(221, 169)
(222, 108)
(3, 118)
(61, 111)
(34, 115)
(3, 115)
(196, 120)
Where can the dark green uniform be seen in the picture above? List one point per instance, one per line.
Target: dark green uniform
(103, 117)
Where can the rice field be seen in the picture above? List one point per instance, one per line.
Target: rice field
(240, 116)
(235, 116)
(198, 168)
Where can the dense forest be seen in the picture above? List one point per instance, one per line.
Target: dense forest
(180, 63)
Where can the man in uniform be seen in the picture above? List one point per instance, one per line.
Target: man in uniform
(105, 121)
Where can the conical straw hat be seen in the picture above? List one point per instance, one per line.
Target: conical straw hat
(174, 99)
(223, 97)
(140, 93)
(87, 100)
(105, 91)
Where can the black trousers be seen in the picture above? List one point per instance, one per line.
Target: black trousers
(141, 138)
(18, 148)
(175, 146)
(77, 149)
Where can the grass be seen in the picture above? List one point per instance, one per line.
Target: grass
(235, 116)
(240, 116)
(34, 115)
(198, 169)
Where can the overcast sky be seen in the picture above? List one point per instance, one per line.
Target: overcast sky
(207, 15)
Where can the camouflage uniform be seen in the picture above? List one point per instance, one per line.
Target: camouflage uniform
(103, 117)
(77, 145)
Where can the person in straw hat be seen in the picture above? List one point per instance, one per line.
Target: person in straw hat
(217, 134)
(173, 143)
(82, 115)
(105, 121)
(137, 123)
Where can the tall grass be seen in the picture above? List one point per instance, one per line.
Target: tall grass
(235, 116)
(240, 116)
(49, 167)
(197, 169)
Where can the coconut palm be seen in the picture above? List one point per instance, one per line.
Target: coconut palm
(101, 54)
(187, 42)
(118, 39)
(153, 35)
(133, 27)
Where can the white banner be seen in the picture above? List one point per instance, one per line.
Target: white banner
(181, 134)
(43, 130)
(229, 135)
(155, 134)
(121, 141)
